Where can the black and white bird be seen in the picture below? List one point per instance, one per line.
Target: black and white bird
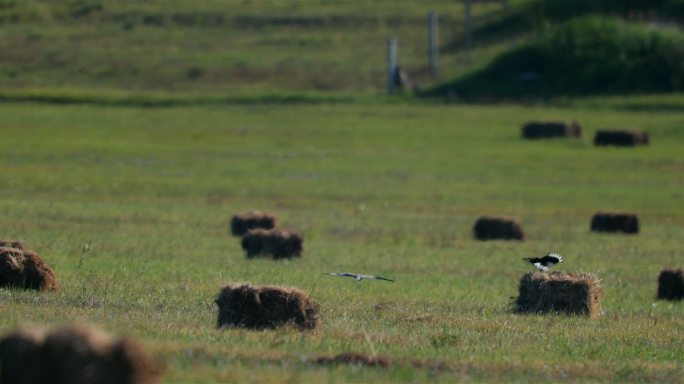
(544, 263)
(358, 276)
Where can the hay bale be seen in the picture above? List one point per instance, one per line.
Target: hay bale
(13, 244)
(615, 222)
(74, 355)
(25, 269)
(240, 224)
(354, 358)
(622, 138)
(276, 243)
(493, 227)
(548, 129)
(570, 293)
(17, 353)
(260, 307)
(671, 284)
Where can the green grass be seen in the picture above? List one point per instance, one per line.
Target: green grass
(383, 188)
(225, 47)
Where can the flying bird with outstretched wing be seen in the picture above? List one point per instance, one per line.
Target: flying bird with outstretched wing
(546, 262)
(358, 276)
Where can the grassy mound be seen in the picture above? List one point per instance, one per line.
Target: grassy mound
(587, 55)
(540, 14)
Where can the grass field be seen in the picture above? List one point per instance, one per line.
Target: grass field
(388, 188)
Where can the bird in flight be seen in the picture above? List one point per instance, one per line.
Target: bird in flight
(358, 276)
(544, 263)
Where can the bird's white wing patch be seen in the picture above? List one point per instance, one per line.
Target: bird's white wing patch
(541, 267)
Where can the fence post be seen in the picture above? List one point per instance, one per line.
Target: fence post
(391, 64)
(433, 38)
(468, 23)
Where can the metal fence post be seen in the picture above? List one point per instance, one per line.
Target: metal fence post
(433, 43)
(391, 63)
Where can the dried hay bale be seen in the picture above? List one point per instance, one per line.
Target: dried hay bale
(671, 284)
(240, 224)
(493, 227)
(74, 355)
(17, 353)
(12, 244)
(547, 129)
(354, 358)
(623, 138)
(615, 222)
(260, 307)
(276, 243)
(571, 293)
(25, 269)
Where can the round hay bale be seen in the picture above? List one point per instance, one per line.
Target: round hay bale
(621, 138)
(548, 129)
(240, 224)
(277, 243)
(570, 293)
(671, 284)
(354, 358)
(74, 355)
(493, 228)
(261, 307)
(615, 222)
(25, 269)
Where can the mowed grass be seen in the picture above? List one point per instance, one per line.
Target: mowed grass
(130, 206)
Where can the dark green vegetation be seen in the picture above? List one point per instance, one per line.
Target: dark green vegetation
(578, 48)
(587, 55)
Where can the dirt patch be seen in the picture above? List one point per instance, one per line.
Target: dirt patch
(354, 358)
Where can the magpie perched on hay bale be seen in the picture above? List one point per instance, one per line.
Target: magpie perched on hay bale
(25, 269)
(493, 227)
(240, 224)
(354, 358)
(277, 243)
(544, 263)
(358, 276)
(671, 284)
(570, 293)
(549, 129)
(615, 222)
(622, 138)
(74, 355)
(261, 307)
